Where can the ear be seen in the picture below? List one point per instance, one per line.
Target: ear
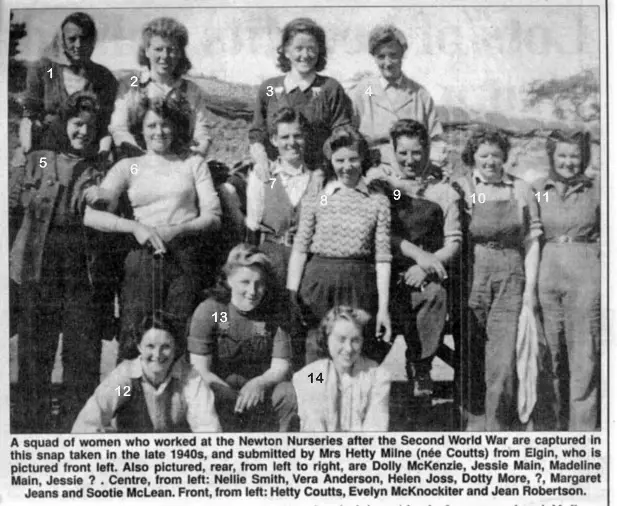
(273, 139)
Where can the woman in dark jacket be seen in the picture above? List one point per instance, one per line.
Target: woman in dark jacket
(50, 264)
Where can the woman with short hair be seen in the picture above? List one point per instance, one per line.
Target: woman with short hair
(239, 342)
(345, 391)
(379, 101)
(302, 55)
(173, 203)
(152, 391)
(163, 52)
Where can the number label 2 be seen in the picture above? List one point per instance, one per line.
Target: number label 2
(134, 81)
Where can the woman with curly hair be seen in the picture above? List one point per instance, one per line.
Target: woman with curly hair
(345, 391)
(51, 267)
(239, 343)
(163, 52)
(569, 283)
(153, 391)
(346, 231)
(504, 250)
(302, 55)
(173, 203)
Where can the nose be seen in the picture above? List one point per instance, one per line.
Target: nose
(347, 346)
(83, 129)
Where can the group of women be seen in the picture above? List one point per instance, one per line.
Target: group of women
(343, 235)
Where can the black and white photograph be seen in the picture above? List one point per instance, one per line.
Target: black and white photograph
(258, 219)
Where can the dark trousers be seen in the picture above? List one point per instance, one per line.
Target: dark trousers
(420, 315)
(169, 282)
(495, 304)
(62, 302)
(280, 408)
(569, 293)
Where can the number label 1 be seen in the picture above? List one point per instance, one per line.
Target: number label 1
(220, 317)
(134, 82)
(127, 391)
(317, 379)
(538, 195)
(481, 198)
(50, 71)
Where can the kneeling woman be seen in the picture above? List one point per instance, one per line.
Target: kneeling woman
(346, 391)
(153, 392)
(239, 346)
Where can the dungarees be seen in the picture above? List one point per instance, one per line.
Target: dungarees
(495, 303)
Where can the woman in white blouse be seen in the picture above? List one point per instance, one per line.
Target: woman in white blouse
(162, 53)
(346, 391)
(173, 203)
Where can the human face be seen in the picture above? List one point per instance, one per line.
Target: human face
(81, 130)
(76, 45)
(389, 60)
(158, 133)
(567, 159)
(410, 155)
(347, 165)
(163, 55)
(157, 352)
(302, 51)
(489, 160)
(248, 287)
(290, 142)
(345, 344)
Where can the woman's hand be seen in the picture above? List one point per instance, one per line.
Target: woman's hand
(251, 395)
(431, 264)
(415, 276)
(145, 234)
(383, 322)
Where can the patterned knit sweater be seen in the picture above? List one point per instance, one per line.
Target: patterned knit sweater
(343, 222)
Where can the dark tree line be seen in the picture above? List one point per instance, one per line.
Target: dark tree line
(17, 69)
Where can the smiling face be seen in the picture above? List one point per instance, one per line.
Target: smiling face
(163, 55)
(302, 51)
(345, 344)
(389, 60)
(158, 133)
(81, 130)
(489, 160)
(157, 352)
(567, 159)
(347, 165)
(289, 140)
(248, 287)
(410, 155)
(76, 45)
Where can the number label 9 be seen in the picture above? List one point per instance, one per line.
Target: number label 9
(397, 194)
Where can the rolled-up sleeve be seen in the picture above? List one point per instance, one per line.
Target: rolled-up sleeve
(254, 201)
(209, 203)
(383, 251)
(202, 338)
(119, 122)
(452, 229)
(281, 347)
(306, 226)
(531, 210)
(201, 415)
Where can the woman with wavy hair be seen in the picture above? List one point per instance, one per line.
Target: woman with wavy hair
(163, 54)
(173, 203)
(569, 282)
(302, 55)
(239, 343)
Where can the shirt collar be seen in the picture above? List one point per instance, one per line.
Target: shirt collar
(292, 82)
(333, 186)
(281, 166)
(386, 84)
(505, 178)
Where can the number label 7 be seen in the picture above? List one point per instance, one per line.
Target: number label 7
(273, 179)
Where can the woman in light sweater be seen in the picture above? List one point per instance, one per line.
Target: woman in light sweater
(173, 203)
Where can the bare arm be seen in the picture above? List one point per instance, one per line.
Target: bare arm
(203, 365)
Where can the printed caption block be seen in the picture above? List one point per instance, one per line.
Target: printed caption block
(301, 467)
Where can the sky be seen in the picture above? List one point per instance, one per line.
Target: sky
(476, 57)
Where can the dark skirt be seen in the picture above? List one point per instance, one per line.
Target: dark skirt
(330, 282)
